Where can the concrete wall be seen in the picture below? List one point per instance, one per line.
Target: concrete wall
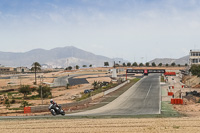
(115, 88)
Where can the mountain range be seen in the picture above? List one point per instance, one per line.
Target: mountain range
(55, 58)
(63, 57)
(182, 61)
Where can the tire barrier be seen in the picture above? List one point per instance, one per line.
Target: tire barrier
(193, 93)
(170, 93)
(176, 101)
(27, 110)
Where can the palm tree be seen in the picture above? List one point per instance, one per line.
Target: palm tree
(36, 67)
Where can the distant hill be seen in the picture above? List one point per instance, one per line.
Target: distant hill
(57, 57)
(181, 61)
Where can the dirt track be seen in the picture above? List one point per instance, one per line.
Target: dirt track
(154, 125)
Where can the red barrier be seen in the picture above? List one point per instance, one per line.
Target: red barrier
(181, 101)
(176, 101)
(170, 74)
(172, 101)
(172, 87)
(27, 110)
(170, 93)
(182, 86)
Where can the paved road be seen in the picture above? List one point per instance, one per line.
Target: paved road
(142, 98)
(63, 80)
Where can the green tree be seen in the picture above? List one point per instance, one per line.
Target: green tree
(69, 68)
(7, 103)
(135, 64)
(160, 64)
(167, 65)
(128, 64)
(195, 69)
(24, 104)
(147, 64)
(67, 86)
(36, 67)
(95, 84)
(46, 91)
(186, 64)
(173, 64)
(90, 65)
(124, 64)
(84, 65)
(77, 67)
(141, 64)
(153, 64)
(179, 65)
(106, 63)
(26, 90)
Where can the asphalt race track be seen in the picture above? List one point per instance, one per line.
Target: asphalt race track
(142, 98)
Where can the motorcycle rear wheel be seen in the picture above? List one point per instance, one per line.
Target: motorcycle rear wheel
(53, 112)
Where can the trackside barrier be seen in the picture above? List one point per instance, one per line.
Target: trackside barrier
(27, 110)
(172, 87)
(170, 93)
(182, 86)
(115, 88)
(176, 101)
(170, 74)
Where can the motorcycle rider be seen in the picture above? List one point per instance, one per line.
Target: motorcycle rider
(54, 104)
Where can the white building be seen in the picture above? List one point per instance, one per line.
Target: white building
(194, 57)
(22, 69)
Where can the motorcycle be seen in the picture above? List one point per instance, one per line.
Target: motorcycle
(56, 110)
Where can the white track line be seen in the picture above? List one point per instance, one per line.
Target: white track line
(148, 92)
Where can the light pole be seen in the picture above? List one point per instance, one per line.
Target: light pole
(41, 80)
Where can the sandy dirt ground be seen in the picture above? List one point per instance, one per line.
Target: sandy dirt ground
(26, 79)
(122, 125)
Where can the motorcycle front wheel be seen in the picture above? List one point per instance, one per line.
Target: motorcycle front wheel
(62, 113)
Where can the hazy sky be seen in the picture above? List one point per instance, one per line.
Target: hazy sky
(132, 29)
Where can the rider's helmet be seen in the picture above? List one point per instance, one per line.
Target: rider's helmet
(51, 101)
